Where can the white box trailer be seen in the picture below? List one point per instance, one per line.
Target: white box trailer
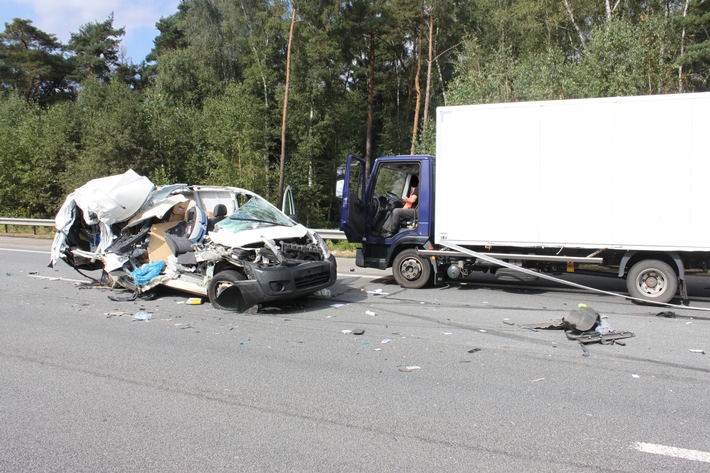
(623, 173)
(616, 184)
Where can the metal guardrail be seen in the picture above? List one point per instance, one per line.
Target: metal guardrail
(329, 234)
(48, 222)
(27, 222)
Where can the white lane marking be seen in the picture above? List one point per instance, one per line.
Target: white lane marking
(355, 275)
(57, 278)
(26, 251)
(695, 455)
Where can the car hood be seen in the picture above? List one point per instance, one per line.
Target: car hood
(256, 235)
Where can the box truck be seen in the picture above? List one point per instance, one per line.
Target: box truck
(618, 185)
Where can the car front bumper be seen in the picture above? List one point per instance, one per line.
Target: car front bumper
(267, 284)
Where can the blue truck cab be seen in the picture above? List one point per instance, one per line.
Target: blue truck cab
(367, 212)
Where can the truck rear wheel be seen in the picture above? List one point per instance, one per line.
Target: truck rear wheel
(411, 270)
(652, 280)
(224, 293)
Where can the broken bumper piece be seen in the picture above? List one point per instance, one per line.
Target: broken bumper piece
(267, 284)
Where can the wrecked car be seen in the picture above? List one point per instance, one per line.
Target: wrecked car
(224, 243)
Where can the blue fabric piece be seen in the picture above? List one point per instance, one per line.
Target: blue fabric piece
(145, 273)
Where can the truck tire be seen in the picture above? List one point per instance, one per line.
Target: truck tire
(652, 280)
(222, 291)
(411, 270)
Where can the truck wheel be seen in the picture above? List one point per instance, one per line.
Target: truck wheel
(223, 292)
(652, 280)
(410, 270)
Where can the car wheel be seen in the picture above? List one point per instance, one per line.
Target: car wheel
(223, 291)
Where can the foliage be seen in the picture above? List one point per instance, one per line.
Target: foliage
(96, 50)
(205, 106)
(31, 63)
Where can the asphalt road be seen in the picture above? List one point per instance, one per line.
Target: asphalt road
(442, 379)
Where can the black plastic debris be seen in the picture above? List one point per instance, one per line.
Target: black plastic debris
(585, 325)
(667, 314)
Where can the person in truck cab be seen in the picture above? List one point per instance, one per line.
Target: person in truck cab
(407, 212)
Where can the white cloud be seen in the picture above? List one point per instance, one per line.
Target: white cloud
(63, 17)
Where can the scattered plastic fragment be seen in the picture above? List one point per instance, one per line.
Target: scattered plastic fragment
(323, 294)
(474, 350)
(378, 292)
(194, 301)
(364, 342)
(508, 322)
(143, 315)
(537, 380)
(408, 368)
(358, 331)
(336, 306)
(370, 312)
(695, 350)
(483, 331)
(667, 314)
(635, 376)
(116, 313)
(385, 340)
(603, 326)
(347, 331)
(446, 333)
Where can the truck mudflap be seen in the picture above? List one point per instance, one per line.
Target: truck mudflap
(268, 284)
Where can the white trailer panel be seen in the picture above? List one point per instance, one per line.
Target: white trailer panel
(594, 173)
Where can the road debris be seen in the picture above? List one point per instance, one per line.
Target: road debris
(378, 292)
(585, 325)
(143, 315)
(358, 331)
(537, 380)
(409, 368)
(370, 312)
(667, 314)
(695, 350)
(194, 301)
(474, 350)
(115, 313)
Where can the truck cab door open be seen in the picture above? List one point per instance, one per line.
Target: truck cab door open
(354, 211)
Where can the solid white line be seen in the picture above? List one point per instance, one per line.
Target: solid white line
(26, 251)
(56, 278)
(355, 275)
(695, 455)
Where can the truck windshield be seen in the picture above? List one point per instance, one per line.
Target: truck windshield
(254, 213)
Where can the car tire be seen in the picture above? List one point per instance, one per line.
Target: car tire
(223, 291)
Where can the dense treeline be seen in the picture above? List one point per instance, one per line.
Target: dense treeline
(366, 76)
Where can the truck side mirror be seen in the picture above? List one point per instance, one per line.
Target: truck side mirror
(339, 188)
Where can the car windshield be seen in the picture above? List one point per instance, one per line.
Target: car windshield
(252, 214)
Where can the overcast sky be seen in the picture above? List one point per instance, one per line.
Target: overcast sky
(63, 17)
